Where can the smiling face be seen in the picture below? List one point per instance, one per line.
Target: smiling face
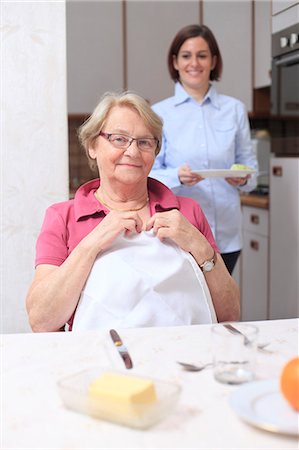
(124, 167)
(194, 63)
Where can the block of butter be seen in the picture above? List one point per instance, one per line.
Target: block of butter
(119, 397)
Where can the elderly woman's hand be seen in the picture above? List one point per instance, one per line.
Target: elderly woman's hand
(173, 225)
(114, 224)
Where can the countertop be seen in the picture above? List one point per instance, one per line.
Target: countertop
(34, 417)
(257, 201)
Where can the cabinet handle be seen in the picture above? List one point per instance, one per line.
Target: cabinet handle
(254, 219)
(277, 171)
(254, 245)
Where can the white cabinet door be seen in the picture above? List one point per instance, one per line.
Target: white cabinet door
(94, 52)
(286, 17)
(151, 26)
(231, 22)
(281, 5)
(262, 43)
(284, 238)
(254, 289)
(254, 304)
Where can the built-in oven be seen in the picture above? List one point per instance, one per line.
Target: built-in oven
(285, 89)
(285, 72)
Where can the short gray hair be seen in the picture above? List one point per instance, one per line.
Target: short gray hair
(90, 129)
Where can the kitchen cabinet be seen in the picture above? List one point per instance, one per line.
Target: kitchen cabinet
(254, 264)
(262, 44)
(284, 14)
(284, 238)
(116, 45)
(95, 57)
(231, 22)
(134, 55)
(151, 26)
(280, 5)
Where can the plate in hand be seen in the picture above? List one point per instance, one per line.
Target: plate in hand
(223, 173)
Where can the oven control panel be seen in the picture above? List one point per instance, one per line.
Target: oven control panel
(285, 41)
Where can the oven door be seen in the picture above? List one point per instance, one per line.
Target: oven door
(285, 85)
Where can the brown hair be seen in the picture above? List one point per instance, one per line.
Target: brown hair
(191, 31)
(89, 131)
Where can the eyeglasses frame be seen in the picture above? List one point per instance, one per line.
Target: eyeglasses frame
(131, 139)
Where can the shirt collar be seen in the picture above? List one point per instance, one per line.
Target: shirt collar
(86, 204)
(161, 197)
(213, 96)
(181, 96)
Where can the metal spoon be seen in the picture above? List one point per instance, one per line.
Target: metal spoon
(198, 368)
(235, 330)
(193, 367)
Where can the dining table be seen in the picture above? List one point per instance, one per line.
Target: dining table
(35, 417)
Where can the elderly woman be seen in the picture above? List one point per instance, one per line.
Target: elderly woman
(126, 251)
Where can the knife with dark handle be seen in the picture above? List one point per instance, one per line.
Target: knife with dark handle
(121, 348)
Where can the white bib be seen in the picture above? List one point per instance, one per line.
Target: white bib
(142, 282)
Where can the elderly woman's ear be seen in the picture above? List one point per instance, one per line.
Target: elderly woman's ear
(92, 152)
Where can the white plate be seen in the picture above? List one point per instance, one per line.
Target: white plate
(223, 173)
(261, 404)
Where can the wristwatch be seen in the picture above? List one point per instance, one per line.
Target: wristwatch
(208, 265)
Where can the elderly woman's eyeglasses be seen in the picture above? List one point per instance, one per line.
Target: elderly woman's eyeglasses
(124, 142)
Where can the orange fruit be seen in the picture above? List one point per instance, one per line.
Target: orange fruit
(289, 382)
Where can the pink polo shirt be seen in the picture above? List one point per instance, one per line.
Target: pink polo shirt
(67, 223)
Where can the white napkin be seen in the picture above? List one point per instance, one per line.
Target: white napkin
(142, 282)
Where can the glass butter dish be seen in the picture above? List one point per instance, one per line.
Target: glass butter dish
(94, 393)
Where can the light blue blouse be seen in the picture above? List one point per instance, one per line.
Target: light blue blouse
(212, 135)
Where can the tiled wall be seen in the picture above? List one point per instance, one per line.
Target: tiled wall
(79, 171)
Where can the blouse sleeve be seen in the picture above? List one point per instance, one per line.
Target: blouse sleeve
(51, 246)
(244, 151)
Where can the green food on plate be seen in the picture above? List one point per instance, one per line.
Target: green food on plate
(240, 167)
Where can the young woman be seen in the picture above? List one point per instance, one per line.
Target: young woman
(203, 129)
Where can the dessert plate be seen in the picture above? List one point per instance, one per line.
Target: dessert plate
(223, 173)
(262, 405)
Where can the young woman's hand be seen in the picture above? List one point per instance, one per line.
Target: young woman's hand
(238, 182)
(187, 177)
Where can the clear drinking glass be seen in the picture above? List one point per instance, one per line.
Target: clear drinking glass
(233, 355)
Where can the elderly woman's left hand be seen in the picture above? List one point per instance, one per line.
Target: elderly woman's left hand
(173, 225)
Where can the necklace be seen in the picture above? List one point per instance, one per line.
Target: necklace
(122, 210)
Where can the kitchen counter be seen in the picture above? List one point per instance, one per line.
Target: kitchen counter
(257, 201)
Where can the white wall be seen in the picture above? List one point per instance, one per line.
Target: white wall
(34, 149)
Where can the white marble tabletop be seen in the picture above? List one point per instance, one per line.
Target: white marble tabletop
(33, 416)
